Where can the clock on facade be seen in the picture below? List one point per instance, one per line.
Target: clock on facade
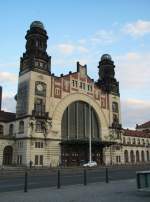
(40, 88)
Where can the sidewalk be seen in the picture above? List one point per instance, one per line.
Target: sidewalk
(116, 191)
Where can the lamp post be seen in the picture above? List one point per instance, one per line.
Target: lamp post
(90, 144)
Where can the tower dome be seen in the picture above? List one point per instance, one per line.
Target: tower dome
(106, 57)
(37, 24)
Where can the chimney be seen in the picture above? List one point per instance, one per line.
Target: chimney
(0, 97)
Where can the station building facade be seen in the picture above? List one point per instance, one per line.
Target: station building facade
(55, 115)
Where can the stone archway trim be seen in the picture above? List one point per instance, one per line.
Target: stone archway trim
(65, 102)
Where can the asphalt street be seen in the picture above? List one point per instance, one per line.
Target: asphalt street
(14, 180)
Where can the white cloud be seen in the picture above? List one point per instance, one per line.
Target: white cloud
(134, 112)
(9, 104)
(8, 77)
(8, 65)
(138, 28)
(133, 71)
(82, 41)
(82, 49)
(103, 36)
(65, 48)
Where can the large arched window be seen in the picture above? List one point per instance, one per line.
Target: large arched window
(76, 122)
(21, 127)
(11, 129)
(1, 130)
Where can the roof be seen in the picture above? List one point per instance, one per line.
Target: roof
(136, 133)
(144, 125)
(7, 116)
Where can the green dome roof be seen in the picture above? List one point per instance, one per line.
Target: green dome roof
(106, 57)
(37, 24)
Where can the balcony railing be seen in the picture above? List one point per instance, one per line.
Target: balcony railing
(40, 114)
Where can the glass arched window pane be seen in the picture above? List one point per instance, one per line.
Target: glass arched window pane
(76, 119)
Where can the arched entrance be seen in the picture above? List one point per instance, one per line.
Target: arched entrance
(75, 130)
(7, 155)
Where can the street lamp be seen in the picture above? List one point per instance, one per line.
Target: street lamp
(90, 144)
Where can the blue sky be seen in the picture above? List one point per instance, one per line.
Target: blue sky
(83, 30)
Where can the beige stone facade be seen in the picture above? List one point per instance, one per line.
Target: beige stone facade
(55, 116)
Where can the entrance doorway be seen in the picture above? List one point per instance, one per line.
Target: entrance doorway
(7, 155)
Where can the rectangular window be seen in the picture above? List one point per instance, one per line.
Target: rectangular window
(76, 84)
(81, 85)
(36, 160)
(38, 144)
(73, 83)
(84, 86)
(41, 159)
(20, 159)
(41, 144)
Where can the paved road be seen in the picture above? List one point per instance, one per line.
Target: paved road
(116, 191)
(13, 181)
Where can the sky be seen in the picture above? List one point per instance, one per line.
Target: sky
(83, 30)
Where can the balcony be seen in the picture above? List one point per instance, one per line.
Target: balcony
(40, 114)
(116, 125)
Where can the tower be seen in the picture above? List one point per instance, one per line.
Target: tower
(34, 63)
(36, 58)
(107, 79)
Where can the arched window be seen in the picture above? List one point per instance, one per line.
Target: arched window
(147, 142)
(11, 129)
(115, 107)
(21, 127)
(1, 130)
(132, 156)
(147, 153)
(133, 141)
(142, 156)
(137, 156)
(76, 122)
(129, 140)
(143, 141)
(126, 157)
(138, 141)
(124, 140)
